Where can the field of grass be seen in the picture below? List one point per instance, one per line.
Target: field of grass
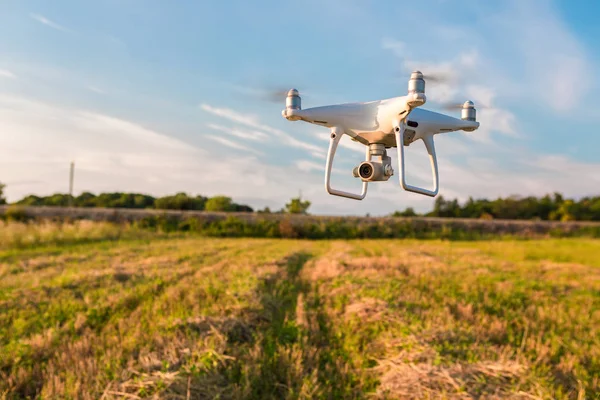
(91, 311)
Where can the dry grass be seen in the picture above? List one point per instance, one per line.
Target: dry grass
(194, 318)
(23, 235)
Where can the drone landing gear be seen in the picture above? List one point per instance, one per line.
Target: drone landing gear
(399, 129)
(336, 135)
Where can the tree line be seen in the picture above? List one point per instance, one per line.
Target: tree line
(179, 201)
(549, 207)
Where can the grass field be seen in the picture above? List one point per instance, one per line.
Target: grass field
(94, 311)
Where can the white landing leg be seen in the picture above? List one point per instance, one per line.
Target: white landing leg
(336, 135)
(428, 140)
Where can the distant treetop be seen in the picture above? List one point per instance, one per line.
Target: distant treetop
(549, 207)
(179, 201)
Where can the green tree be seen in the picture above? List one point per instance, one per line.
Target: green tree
(409, 212)
(438, 206)
(242, 208)
(445, 208)
(180, 201)
(86, 199)
(219, 203)
(2, 198)
(567, 210)
(297, 206)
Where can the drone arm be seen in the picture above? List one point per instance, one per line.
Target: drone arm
(336, 135)
(428, 140)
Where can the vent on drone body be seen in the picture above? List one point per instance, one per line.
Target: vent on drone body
(292, 101)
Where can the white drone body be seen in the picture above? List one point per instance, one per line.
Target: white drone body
(380, 125)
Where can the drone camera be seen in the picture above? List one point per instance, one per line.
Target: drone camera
(369, 171)
(372, 171)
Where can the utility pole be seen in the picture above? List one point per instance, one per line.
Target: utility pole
(71, 175)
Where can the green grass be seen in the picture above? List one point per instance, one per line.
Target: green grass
(92, 309)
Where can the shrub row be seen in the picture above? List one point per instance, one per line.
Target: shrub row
(339, 229)
(331, 228)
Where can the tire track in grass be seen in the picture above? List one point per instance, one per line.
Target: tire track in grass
(296, 354)
(165, 349)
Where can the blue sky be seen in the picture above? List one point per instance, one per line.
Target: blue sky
(161, 97)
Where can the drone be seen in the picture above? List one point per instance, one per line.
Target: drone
(381, 125)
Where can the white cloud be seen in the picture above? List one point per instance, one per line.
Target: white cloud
(309, 166)
(553, 60)
(254, 122)
(242, 134)
(509, 172)
(397, 47)
(522, 54)
(39, 134)
(106, 125)
(7, 74)
(95, 89)
(481, 95)
(470, 59)
(43, 20)
(316, 151)
(534, 175)
(232, 144)
(245, 119)
(39, 141)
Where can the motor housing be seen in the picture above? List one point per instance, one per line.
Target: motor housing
(416, 84)
(416, 90)
(468, 112)
(293, 101)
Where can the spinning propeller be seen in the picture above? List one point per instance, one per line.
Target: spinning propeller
(451, 106)
(437, 78)
(271, 93)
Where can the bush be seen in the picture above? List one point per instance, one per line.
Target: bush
(287, 229)
(340, 228)
(15, 213)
